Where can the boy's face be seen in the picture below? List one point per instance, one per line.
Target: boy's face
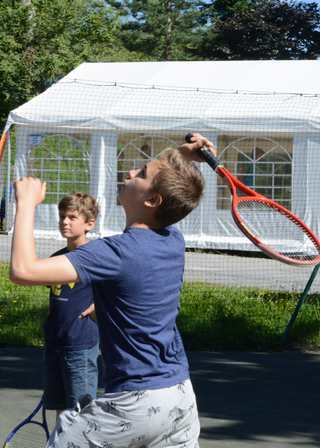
(72, 224)
(137, 186)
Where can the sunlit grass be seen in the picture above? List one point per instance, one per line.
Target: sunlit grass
(22, 312)
(214, 318)
(211, 317)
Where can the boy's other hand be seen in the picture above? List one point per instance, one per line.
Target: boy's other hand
(90, 311)
(190, 150)
(30, 190)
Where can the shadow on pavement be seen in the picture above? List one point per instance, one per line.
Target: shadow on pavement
(244, 398)
(255, 396)
(21, 368)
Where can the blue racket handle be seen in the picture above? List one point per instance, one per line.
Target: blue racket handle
(205, 154)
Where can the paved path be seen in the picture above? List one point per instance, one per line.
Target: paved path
(261, 400)
(219, 269)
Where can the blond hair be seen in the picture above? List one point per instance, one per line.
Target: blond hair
(180, 183)
(83, 203)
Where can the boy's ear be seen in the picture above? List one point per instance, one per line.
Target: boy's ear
(91, 223)
(155, 200)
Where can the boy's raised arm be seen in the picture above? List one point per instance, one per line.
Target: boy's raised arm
(25, 267)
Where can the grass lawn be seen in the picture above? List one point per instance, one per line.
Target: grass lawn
(211, 317)
(22, 312)
(215, 318)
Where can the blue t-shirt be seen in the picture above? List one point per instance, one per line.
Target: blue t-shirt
(136, 279)
(63, 328)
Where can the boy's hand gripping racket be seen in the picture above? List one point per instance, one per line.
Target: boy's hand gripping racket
(275, 220)
(30, 433)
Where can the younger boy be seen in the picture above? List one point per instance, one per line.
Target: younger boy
(136, 278)
(71, 335)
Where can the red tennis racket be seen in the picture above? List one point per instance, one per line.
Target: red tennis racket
(262, 220)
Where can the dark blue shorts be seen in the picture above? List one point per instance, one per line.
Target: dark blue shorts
(68, 375)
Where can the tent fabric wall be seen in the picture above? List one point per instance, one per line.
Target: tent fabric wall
(311, 182)
(104, 176)
(205, 227)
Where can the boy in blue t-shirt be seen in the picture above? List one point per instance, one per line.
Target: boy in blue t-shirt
(136, 279)
(71, 335)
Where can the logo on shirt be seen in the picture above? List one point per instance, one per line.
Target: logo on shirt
(56, 289)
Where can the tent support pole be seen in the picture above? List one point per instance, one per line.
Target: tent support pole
(299, 304)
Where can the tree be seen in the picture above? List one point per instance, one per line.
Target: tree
(66, 33)
(256, 29)
(224, 9)
(160, 29)
(14, 77)
(42, 40)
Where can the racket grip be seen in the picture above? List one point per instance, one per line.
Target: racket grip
(205, 154)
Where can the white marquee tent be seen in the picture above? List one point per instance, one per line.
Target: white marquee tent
(252, 110)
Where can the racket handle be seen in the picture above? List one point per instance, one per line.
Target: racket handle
(205, 154)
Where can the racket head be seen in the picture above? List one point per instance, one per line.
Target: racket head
(250, 210)
(276, 231)
(30, 433)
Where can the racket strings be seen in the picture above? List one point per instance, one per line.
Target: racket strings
(30, 435)
(278, 230)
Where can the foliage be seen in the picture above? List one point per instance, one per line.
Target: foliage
(43, 40)
(14, 78)
(64, 33)
(162, 30)
(220, 29)
(259, 29)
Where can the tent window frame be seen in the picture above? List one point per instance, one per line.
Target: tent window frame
(135, 150)
(263, 163)
(53, 157)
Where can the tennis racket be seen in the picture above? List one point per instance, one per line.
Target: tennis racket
(270, 226)
(32, 432)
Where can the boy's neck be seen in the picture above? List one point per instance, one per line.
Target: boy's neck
(139, 226)
(73, 243)
(143, 225)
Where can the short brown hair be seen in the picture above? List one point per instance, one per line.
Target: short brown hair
(180, 184)
(83, 203)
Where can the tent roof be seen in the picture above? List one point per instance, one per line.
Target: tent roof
(301, 76)
(181, 95)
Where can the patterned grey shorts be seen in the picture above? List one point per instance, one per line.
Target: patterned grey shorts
(160, 418)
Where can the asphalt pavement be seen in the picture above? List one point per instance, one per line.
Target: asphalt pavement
(262, 400)
(218, 269)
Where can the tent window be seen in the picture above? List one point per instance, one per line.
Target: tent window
(135, 150)
(62, 161)
(264, 164)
